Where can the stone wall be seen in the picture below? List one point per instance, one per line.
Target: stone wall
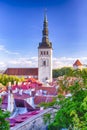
(35, 122)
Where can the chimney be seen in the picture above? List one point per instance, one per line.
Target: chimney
(10, 106)
(31, 102)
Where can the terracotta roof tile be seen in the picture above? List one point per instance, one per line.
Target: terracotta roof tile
(21, 71)
(21, 118)
(50, 90)
(77, 63)
(39, 99)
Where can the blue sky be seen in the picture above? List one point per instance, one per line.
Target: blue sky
(21, 24)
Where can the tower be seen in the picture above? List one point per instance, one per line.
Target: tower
(45, 55)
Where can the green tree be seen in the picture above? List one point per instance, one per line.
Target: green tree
(47, 118)
(62, 71)
(73, 110)
(4, 79)
(4, 124)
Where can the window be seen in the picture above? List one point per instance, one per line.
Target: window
(47, 52)
(44, 63)
(41, 53)
(46, 78)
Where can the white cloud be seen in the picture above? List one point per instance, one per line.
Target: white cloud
(33, 61)
(23, 62)
(34, 58)
(3, 65)
(2, 48)
(67, 61)
(12, 59)
(63, 61)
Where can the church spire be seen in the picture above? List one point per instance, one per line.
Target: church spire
(45, 40)
(45, 54)
(45, 16)
(45, 29)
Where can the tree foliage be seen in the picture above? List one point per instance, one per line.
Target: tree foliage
(62, 71)
(4, 79)
(68, 71)
(73, 110)
(48, 104)
(4, 124)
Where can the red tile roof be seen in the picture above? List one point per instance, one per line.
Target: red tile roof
(77, 63)
(22, 97)
(50, 90)
(22, 71)
(22, 117)
(40, 99)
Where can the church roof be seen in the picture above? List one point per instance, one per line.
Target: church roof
(77, 63)
(45, 45)
(22, 71)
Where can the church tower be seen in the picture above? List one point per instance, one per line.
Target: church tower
(45, 55)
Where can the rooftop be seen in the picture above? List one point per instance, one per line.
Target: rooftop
(21, 71)
(77, 63)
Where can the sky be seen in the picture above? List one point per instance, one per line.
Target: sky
(21, 24)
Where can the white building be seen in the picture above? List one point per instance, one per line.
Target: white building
(45, 55)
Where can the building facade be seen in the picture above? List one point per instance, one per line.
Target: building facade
(45, 55)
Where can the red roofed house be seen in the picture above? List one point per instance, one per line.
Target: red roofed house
(77, 65)
(25, 72)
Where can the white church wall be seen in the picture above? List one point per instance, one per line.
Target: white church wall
(45, 71)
